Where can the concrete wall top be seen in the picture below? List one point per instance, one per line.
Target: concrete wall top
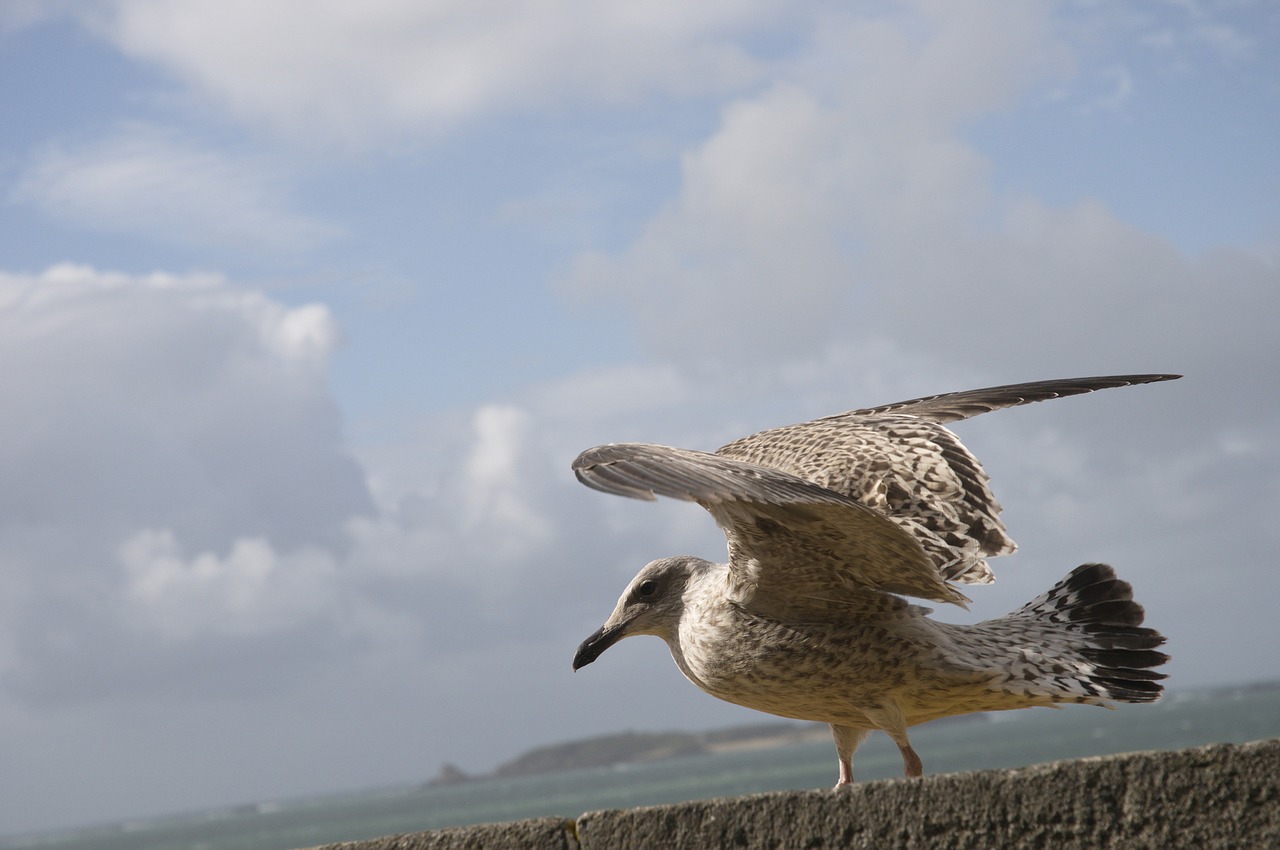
(1216, 797)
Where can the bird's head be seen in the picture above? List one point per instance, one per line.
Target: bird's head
(651, 605)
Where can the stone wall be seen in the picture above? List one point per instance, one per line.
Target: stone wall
(1222, 796)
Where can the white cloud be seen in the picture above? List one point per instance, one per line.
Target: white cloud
(252, 590)
(145, 415)
(355, 70)
(847, 208)
(494, 484)
(462, 500)
(148, 182)
(773, 239)
(747, 238)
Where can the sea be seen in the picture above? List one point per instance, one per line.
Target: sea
(1181, 719)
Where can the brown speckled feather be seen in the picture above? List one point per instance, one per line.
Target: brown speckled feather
(793, 544)
(899, 459)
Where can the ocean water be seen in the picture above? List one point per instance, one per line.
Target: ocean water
(1007, 740)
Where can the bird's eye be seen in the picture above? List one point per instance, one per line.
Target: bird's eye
(647, 588)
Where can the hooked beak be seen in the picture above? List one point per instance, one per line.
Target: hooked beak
(603, 638)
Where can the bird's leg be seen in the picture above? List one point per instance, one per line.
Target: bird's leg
(911, 764)
(890, 719)
(847, 740)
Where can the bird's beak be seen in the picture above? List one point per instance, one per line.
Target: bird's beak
(603, 638)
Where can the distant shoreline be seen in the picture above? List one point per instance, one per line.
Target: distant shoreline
(638, 747)
(642, 747)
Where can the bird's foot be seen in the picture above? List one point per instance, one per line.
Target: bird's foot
(911, 764)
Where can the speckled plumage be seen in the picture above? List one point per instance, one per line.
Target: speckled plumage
(829, 523)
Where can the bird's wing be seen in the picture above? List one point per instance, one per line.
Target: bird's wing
(952, 407)
(796, 549)
(914, 472)
(900, 460)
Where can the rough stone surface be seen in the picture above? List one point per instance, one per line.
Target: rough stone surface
(1217, 797)
(537, 834)
(1212, 797)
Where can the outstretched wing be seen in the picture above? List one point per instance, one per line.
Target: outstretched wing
(795, 548)
(952, 407)
(899, 460)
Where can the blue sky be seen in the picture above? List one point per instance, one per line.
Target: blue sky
(306, 307)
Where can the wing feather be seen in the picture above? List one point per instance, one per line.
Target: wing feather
(952, 407)
(900, 459)
(847, 509)
(793, 545)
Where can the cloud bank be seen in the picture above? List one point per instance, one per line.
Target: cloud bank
(145, 415)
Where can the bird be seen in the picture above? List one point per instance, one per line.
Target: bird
(833, 527)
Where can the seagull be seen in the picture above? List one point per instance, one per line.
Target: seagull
(830, 525)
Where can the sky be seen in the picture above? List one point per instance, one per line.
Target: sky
(306, 307)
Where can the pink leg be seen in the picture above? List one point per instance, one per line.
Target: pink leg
(911, 764)
(889, 718)
(847, 740)
(846, 772)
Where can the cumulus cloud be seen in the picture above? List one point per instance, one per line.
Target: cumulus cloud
(144, 180)
(253, 589)
(770, 245)
(846, 208)
(493, 482)
(747, 238)
(177, 499)
(145, 416)
(464, 505)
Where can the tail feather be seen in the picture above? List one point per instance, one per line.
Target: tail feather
(1101, 625)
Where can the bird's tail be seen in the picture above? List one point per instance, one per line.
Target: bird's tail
(1083, 641)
